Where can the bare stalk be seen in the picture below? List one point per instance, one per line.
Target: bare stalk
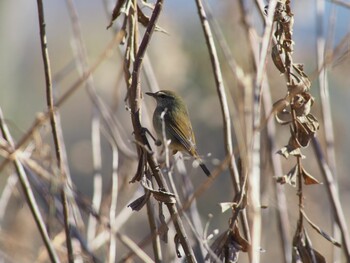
(113, 206)
(135, 106)
(157, 251)
(28, 193)
(224, 108)
(97, 177)
(326, 106)
(333, 196)
(54, 126)
(45, 116)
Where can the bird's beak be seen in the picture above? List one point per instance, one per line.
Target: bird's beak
(151, 94)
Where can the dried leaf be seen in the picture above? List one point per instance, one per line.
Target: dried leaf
(226, 206)
(140, 202)
(290, 177)
(299, 68)
(297, 86)
(289, 149)
(280, 105)
(283, 117)
(243, 243)
(228, 245)
(320, 231)
(144, 20)
(276, 57)
(309, 179)
(315, 256)
(304, 135)
(116, 11)
(164, 197)
(302, 104)
(312, 123)
(160, 195)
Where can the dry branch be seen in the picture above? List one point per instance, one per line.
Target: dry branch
(54, 126)
(28, 194)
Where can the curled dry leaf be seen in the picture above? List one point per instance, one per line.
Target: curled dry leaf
(280, 105)
(164, 197)
(297, 86)
(160, 195)
(283, 117)
(299, 68)
(302, 104)
(276, 57)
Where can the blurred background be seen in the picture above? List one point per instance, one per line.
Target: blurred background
(181, 62)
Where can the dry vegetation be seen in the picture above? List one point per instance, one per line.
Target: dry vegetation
(252, 108)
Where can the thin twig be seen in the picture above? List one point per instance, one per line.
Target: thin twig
(54, 125)
(29, 196)
(135, 106)
(113, 206)
(254, 178)
(42, 118)
(282, 207)
(325, 104)
(187, 204)
(97, 177)
(6, 195)
(157, 251)
(333, 196)
(224, 107)
(282, 212)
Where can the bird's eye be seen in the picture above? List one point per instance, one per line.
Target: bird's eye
(162, 96)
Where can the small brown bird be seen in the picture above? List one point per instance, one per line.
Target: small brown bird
(178, 128)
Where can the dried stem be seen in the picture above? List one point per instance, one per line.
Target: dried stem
(45, 116)
(254, 178)
(135, 106)
(54, 126)
(97, 177)
(325, 103)
(334, 198)
(224, 108)
(282, 213)
(113, 206)
(28, 194)
(157, 251)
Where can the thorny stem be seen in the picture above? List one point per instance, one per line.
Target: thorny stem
(53, 121)
(135, 105)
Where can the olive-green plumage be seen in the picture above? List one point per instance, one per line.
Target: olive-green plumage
(178, 127)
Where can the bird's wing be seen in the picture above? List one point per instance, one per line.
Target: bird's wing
(181, 129)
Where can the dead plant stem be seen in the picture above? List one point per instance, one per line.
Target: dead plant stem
(54, 125)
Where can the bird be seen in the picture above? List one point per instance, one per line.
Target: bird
(178, 128)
